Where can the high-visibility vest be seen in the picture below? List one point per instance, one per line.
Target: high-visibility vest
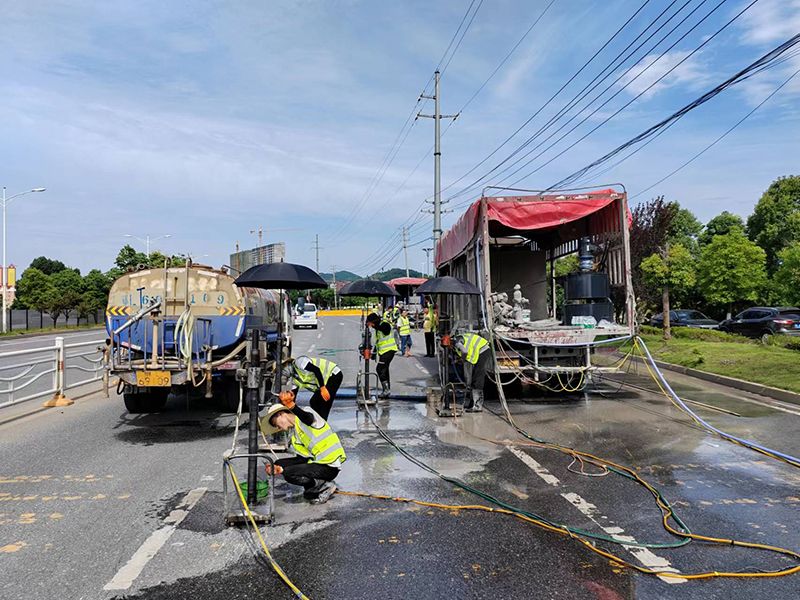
(318, 444)
(405, 326)
(308, 380)
(474, 344)
(385, 343)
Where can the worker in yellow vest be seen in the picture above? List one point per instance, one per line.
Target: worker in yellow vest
(319, 454)
(385, 347)
(404, 329)
(430, 324)
(475, 352)
(320, 376)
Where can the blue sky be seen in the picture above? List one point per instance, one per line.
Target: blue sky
(204, 120)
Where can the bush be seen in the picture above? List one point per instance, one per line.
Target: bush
(694, 333)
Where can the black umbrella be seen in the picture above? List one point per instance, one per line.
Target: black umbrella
(281, 276)
(448, 285)
(368, 287)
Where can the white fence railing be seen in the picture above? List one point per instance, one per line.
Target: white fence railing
(50, 370)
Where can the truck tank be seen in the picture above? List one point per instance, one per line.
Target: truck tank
(222, 312)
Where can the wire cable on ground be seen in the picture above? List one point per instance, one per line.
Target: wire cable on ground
(665, 388)
(251, 522)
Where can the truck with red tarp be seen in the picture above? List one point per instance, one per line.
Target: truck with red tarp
(545, 328)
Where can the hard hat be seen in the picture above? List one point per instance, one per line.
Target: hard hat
(268, 428)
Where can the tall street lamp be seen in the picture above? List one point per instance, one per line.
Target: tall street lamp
(6, 201)
(146, 241)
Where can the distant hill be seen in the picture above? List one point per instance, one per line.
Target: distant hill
(394, 273)
(340, 276)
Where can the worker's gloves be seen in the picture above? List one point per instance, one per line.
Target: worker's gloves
(287, 399)
(326, 395)
(277, 469)
(446, 340)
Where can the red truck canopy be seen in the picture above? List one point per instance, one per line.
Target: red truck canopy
(533, 216)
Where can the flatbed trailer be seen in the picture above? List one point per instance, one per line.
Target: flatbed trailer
(502, 241)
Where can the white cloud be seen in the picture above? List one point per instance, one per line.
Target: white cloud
(691, 74)
(771, 21)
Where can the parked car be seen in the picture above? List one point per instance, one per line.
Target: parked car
(764, 322)
(305, 316)
(685, 318)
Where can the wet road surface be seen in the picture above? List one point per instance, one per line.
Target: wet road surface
(85, 488)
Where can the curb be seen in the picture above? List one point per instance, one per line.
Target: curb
(738, 384)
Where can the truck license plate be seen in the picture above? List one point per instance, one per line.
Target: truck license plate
(153, 379)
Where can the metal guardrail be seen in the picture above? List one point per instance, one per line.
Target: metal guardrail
(62, 364)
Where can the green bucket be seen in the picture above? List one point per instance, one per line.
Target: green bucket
(262, 489)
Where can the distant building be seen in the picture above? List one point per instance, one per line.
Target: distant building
(241, 261)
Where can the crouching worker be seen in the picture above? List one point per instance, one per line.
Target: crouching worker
(474, 350)
(318, 375)
(319, 454)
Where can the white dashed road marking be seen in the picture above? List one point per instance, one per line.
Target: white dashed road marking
(589, 510)
(134, 567)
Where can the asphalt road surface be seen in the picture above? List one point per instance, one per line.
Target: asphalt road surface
(96, 503)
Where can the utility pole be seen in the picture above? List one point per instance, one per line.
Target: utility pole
(427, 260)
(437, 157)
(405, 247)
(316, 248)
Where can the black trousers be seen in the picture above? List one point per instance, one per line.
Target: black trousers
(298, 471)
(475, 375)
(430, 343)
(319, 404)
(383, 366)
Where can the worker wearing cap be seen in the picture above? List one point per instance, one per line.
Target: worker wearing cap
(404, 329)
(475, 352)
(318, 375)
(385, 347)
(318, 451)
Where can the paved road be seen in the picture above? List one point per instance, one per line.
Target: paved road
(88, 498)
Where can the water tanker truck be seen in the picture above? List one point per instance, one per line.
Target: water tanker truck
(185, 328)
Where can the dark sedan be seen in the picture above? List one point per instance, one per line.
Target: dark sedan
(764, 322)
(685, 318)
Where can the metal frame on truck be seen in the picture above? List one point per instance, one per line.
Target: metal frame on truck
(501, 241)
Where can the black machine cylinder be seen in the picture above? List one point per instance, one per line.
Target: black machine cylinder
(598, 310)
(587, 286)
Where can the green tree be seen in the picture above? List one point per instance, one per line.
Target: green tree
(47, 266)
(786, 281)
(720, 225)
(684, 229)
(65, 295)
(670, 272)
(94, 298)
(128, 258)
(33, 289)
(775, 222)
(731, 269)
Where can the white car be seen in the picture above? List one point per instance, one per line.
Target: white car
(305, 316)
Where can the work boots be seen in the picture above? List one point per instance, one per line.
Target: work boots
(476, 405)
(386, 391)
(326, 491)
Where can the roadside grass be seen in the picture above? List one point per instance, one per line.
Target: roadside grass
(65, 328)
(775, 365)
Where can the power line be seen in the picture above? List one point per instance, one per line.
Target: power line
(577, 98)
(546, 103)
(740, 76)
(720, 138)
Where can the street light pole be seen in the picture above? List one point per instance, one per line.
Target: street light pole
(5, 265)
(147, 240)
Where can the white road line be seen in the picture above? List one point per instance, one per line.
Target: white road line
(134, 567)
(546, 475)
(589, 510)
(319, 335)
(311, 348)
